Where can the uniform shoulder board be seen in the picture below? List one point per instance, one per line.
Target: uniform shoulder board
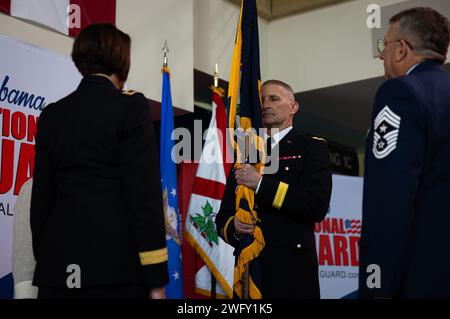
(129, 92)
(318, 139)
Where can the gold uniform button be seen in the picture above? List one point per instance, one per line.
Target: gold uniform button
(299, 246)
(286, 168)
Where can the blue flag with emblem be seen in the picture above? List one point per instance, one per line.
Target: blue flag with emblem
(174, 289)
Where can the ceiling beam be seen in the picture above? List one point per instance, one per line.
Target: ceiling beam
(274, 9)
(283, 8)
(264, 8)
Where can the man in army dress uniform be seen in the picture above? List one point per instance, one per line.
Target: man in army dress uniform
(288, 202)
(406, 205)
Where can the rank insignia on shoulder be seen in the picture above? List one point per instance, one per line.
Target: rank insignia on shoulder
(386, 127)
(129, 92)
(318, 138)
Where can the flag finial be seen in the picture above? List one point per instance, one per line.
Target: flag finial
(166, 50)
(216, 75)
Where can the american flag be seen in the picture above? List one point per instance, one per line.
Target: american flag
(353, 226)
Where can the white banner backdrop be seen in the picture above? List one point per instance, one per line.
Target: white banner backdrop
(337, 239)
(30, 79)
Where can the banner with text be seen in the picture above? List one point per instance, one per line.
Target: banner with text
(337, 239)
(30, 79)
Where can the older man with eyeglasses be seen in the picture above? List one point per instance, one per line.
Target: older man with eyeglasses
(406, 205)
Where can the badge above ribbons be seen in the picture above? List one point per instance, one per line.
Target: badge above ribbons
(385, 135)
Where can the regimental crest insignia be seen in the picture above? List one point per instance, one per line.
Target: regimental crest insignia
(385, 135)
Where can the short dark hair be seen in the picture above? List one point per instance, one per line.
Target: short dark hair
(286, 86)
(102, 48)
(427, 30)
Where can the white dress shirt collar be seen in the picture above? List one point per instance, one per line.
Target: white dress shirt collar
(276, 138)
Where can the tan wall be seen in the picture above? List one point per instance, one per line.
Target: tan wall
(36, 35)
(215, 23)
(324, 47)
(149, 23)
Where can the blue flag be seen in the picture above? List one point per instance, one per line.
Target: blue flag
(174, 288)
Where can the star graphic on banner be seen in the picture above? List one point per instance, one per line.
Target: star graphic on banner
(381, 145)
(383, 128)
(173, 192)
(176, 275)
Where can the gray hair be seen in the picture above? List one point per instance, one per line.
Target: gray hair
(426, 30)
(284, 85)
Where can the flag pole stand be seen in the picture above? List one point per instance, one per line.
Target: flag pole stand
(245, 293)
(213, 287)
(245, 281)
(213, 279)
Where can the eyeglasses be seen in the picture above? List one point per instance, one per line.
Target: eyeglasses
(382, 44)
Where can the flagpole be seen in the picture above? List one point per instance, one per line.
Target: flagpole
(213, 279)
(245, 281)
(166, 50)
(246, 275)
(216, 75)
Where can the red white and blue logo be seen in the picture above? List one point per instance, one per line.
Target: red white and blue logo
(352, 226)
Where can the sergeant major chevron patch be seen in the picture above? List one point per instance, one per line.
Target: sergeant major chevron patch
(386, 129)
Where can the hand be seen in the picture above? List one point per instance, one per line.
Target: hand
(243, 228)
(248, 176)
(157, 293)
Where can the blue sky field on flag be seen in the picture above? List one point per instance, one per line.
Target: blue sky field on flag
(174, 289)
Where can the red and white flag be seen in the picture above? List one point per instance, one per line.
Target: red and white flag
(66, 16)
(209, 185)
